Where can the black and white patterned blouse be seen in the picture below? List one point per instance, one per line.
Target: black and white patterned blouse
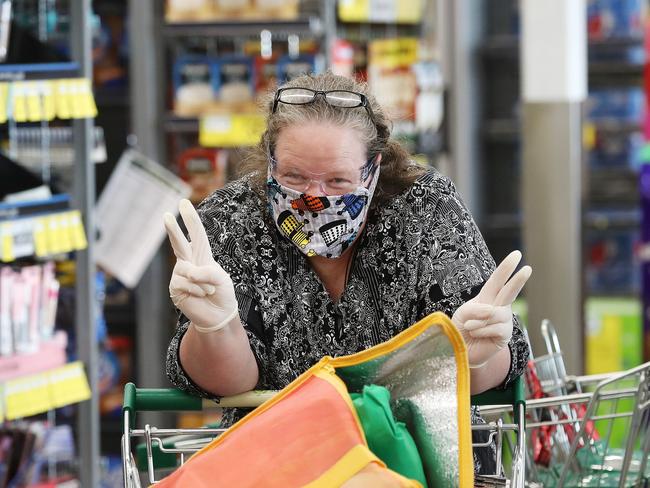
(419, 253)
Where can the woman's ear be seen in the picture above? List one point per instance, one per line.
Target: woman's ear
(378, 157)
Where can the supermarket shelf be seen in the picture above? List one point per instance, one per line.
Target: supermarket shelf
(38, 71)
(508, 45)
(612, 219)
(55, 204)
(181, 125)
(311, 25)
(613, 294)
(502, 130)
(593, 220)
(508, 130)
(616, 42)
(613, 126)
(615, 68)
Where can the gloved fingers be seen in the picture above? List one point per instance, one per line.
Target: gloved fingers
(472, 311)
(211, 274)
(501, 331)
(473, 324)
(509, 292)
(179, 285)
(201, 251)
(499, 277)
(498, 315)
(182, 248)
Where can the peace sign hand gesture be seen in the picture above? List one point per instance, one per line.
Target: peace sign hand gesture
(485, 321)
(199, 287)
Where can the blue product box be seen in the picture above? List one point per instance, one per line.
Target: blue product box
(191, 68)
(614, 18)
(233, 78)
(291, 67)
(622, 103)
(611, 265)
(617, 150)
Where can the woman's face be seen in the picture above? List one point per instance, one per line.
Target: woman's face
(322, 155)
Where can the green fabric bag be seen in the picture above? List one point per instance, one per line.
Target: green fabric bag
(388, 439)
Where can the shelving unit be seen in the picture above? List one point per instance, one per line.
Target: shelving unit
(311, 26)
(610, 192)
(34, 382)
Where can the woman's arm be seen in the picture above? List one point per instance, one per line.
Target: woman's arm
(220, 362)
(491, 374)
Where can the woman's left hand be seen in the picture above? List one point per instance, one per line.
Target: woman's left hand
(485, 321)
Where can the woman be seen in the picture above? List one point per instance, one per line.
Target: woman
(333, 242)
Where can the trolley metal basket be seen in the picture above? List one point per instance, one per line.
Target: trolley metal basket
(165, 449)
(571, 439)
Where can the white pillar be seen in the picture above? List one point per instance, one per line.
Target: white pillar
(554, 85)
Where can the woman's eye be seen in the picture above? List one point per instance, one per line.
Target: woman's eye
(339, 181)
(294, 176)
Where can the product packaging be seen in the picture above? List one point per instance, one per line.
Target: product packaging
(193, 85)
(204, 169)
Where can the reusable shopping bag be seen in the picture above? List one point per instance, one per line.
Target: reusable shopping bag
(309, 434)
(389, 439)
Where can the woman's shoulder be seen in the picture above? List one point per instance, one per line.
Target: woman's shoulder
(237, 197)
(426, 192)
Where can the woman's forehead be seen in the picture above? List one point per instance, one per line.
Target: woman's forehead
(320, 147)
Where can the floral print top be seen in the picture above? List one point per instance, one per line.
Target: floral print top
(419, 253)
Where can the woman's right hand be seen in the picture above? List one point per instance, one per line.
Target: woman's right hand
(199, 287)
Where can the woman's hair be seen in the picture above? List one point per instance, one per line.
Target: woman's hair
(397, 170)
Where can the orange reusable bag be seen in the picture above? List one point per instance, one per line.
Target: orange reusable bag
(309, 435)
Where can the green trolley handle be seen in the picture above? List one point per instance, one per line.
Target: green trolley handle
(157, 399)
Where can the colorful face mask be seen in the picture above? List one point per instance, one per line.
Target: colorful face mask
(320, 225)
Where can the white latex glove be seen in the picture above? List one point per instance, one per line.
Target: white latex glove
(485, 321)
(199, 287)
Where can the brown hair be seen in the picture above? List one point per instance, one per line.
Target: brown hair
(397, 171)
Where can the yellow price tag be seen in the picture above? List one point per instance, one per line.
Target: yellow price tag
(53, 234)
(62, 99)
(409, 11)
(6, 242)
(27, 396)
(4, 93)
(48, 89)
(77, 231)
(88, 106)
(589, 136)
(394, 53)
(33, 96)
(68, 384)
(19, 111)
(354, 10)
(65, 231)
(40, 237)
(231, 130)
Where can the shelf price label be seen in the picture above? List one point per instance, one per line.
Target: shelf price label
(27, 396)
(6, 242)
(68, 384)
(231, 130)
(381, 11)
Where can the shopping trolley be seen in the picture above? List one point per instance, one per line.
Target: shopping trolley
(573, 421)
(163, 450)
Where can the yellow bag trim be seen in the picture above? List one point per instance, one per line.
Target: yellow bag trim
(328, 374)
(465, 457)
(345, 468)
(324, 369)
